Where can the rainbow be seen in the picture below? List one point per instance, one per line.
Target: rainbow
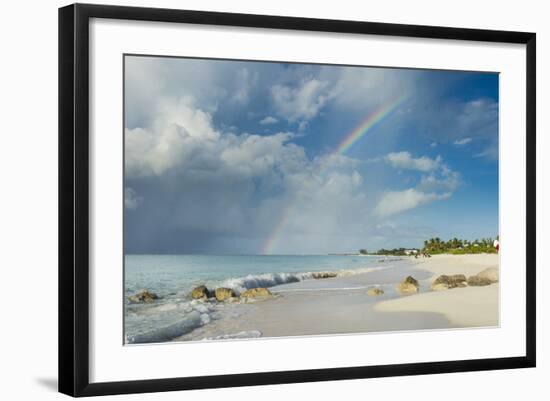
(349, 140)
(372, 119)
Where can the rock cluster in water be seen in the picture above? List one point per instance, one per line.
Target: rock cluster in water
(223, 294)
(322, 275)
(256, 293)
(200, 292)
(143, 296)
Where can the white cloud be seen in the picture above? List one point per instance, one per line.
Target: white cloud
(215, 85)
(244, 81)
(242, 185)
(351, 89)
(459, 123)
(433, 144)
(404, 160)
(257, 156)
(462, 141)
(183, 138)
(176, 135)
(361, 89)
(439, 182)
(301, 102)
(131, 199)
(446, 181)
(394, 202)
(269, 120)
(336, 161)
(189, 144)
(490, 153)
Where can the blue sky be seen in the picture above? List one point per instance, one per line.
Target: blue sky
(238, 157)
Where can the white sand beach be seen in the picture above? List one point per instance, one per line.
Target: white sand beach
(463, 307)
(341, 305)
(457, 264)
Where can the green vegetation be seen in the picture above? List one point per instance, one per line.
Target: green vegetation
(393, 252)
(435, 246)
(457, 246)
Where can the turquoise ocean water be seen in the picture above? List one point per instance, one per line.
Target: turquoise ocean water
(172, 277)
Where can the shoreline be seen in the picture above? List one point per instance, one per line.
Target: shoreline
(344, 304)
(337, 305)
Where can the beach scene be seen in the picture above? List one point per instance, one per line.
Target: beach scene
(273, 199)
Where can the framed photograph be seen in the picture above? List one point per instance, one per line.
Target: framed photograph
(251, 199)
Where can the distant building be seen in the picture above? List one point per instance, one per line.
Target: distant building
(410, 251)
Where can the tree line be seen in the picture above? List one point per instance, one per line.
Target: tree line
(434, 246)
(459, 246)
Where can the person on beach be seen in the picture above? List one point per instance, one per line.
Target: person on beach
(496, 244)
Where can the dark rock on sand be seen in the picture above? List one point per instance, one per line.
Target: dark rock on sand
(408, 286)
(491, 273)
(256, 293)
(484, 277)
(476, 281)
(445, 282)
(375, 291)
(321, 275)
(143, 296)
(200, 292)
(223, 294)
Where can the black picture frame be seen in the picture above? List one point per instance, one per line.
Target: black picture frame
(74, 198)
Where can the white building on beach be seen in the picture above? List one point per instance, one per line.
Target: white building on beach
(411, 251)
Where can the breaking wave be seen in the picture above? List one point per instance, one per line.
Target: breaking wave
(167, 321)
(240, 284)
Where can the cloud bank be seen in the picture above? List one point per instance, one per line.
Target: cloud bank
(222, 156)
(240, 186)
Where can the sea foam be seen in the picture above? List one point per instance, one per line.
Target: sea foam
(168, 321)
(240, 284)
(165, 333)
